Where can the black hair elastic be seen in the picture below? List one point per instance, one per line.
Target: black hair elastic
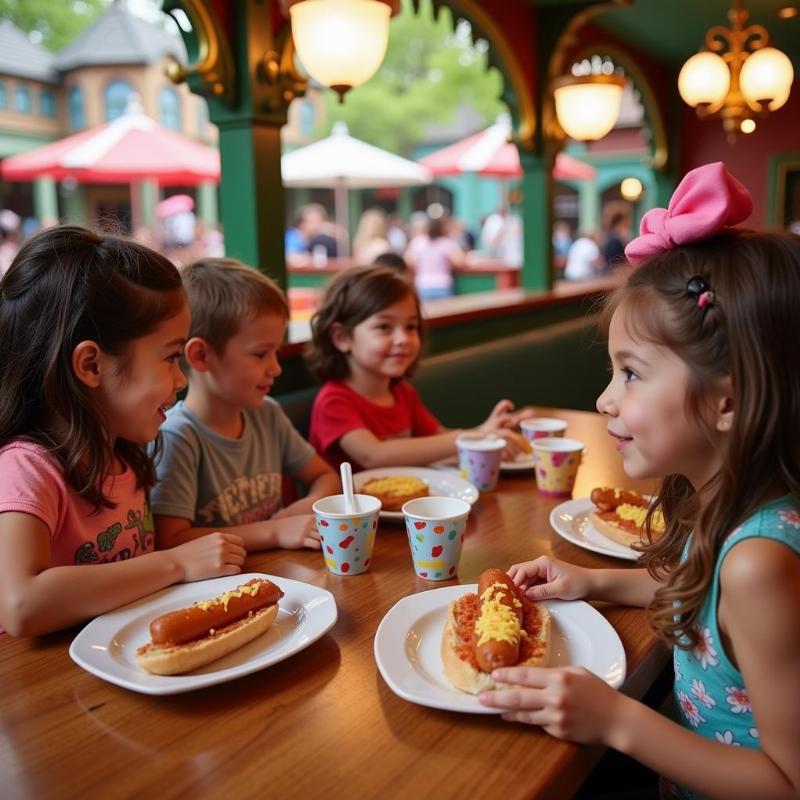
(701, 291)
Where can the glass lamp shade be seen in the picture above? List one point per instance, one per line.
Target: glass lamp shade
(766, 77)
(704, 79)
(587, 108)
(341, 43)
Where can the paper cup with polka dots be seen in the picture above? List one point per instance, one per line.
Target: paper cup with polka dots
(556, 461)
(542, 428)
(435, 528)
(347, 539)
(479, 460)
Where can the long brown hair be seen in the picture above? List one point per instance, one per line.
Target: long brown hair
(350, 298)
(68, 285)
(748, 333)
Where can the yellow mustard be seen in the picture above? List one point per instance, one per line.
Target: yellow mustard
(497, 621)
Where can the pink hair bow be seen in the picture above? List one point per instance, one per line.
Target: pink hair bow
(707, 200)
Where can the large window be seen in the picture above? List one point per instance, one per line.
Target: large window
(115, 98)
(169, 108)
(77, 115)
(22, 100)
(47, 103)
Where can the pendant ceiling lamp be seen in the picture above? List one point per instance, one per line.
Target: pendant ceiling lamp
(341, 43)
(737, 76)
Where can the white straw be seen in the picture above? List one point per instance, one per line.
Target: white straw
(347, 488)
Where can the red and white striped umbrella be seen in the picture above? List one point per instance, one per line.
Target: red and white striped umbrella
(489, 153)
(131, 148)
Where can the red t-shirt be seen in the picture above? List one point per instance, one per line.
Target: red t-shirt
(338, 410)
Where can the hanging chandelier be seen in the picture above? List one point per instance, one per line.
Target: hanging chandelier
(737, 76)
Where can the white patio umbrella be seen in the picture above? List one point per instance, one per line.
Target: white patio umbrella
(341, 162)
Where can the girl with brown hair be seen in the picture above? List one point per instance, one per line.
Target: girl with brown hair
(705, 395)
(366, 341)
(92, 329)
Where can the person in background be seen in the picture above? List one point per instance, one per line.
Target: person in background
(366, 342)
(227, 446)
(616, 238)
(396, 234)
(433, 257)
(584, 259)
(392, 260)
(370, 239)
(294, 240)
(703, 396)
(458, 231)
(92, 330)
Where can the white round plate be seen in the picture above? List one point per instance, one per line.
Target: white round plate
(408, 642)
(441, 483)
(570, 521)
(106, 647)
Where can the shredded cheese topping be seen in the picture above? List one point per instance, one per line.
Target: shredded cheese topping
(637, 514)
(497, 621)
(225, 598)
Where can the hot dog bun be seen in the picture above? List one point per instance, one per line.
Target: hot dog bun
(192, 637)
(459, 638)
(621, 514)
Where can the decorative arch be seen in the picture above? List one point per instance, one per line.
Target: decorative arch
(518, 87)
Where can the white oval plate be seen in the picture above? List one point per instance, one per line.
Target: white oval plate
(106, 647)
(441, 483)
(570, 521)
(408, 647)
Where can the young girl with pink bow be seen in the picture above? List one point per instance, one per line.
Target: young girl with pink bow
(705, 394)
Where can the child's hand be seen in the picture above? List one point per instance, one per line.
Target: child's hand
(547, 577)
(292, 533)
(568, 702)
(501, 417)
(210, 556)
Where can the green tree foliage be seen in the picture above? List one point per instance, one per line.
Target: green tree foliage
(430, 70)
(52, 23)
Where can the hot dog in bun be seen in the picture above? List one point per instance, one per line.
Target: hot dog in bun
(497, 627)
(189, 638)
(620, 516)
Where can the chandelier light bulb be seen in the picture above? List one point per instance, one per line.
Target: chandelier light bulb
(766, 78)
(341, 43)
(704, 80)
(587, 108)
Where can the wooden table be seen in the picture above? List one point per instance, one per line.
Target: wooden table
(322, 723)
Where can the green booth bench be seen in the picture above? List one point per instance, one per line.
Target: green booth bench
(563, 364)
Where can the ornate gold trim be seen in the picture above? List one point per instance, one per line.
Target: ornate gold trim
(214, 67)
(279, 72)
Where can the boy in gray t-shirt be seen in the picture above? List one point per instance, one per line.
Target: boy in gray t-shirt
(227, 446)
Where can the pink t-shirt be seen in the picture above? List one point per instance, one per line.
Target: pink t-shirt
(338, 410)
(432, 260)
(33, 483)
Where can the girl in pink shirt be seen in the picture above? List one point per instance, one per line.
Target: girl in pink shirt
(92, 330)
(366, 340)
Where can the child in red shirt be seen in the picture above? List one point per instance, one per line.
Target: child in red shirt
(366, 341)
